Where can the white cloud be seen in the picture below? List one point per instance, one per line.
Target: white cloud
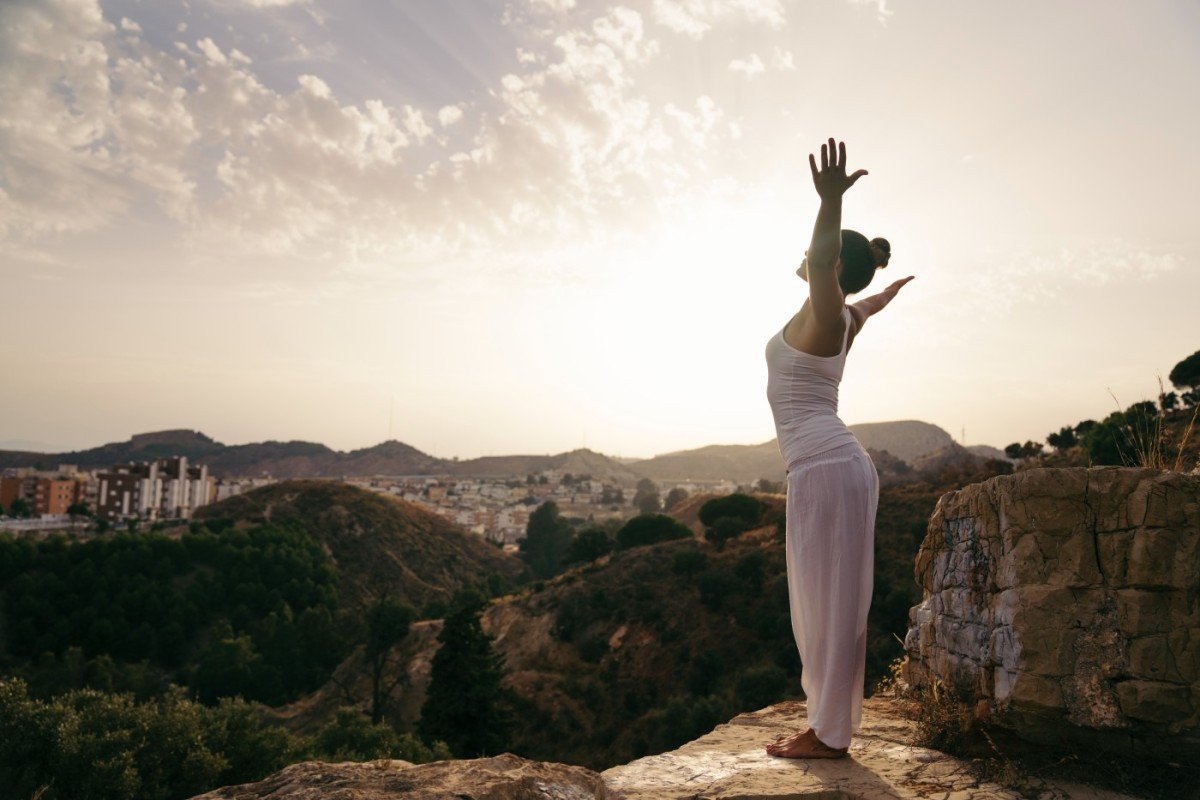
(695, 18)
(209, 48)
(782, 60)
(553, 5)
(448, 115)
(564, 150)
(129, 25)
(749, 66)
(882, 12)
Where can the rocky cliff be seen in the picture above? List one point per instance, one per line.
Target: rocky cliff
(1069, 600)
(727, 763)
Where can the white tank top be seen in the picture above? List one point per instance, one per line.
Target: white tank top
(803, 392)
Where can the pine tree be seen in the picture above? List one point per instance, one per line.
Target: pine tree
(547, 539)
(465, 705)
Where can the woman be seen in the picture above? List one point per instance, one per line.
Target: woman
(832, 485)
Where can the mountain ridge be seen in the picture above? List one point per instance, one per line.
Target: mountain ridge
(906, 440)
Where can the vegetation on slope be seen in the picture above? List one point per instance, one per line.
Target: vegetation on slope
(380, 543)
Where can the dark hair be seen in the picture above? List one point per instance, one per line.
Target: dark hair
(859, 261)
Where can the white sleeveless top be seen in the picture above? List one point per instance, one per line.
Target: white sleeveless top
(803, 392)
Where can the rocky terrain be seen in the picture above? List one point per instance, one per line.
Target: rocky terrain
(884, 763)
(1069, 601)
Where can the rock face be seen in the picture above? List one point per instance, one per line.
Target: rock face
(503, 777)
(1070, 600)
(883, 764)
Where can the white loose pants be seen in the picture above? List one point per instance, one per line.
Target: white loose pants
(832, 498)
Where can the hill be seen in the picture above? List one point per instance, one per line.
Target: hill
(293, 459)
(576, 462)
(377, 542)
(906, 440)
(298, 459)
(645, 648)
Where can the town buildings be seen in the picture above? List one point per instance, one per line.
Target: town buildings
(167, 488)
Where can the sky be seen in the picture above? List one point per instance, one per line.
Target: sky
(502, 226)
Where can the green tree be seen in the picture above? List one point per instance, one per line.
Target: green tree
(1065, 439)
(674, 497)
(350, 736)
(741, 507)
(388, 621)
(650, 529)
(20, 508)
(646, 499)
(228, 667)
(465, 705)
(589, 544)
(1185, 375)
(547, 539)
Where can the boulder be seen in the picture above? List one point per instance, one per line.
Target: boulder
(502, 777)
(1069, 600)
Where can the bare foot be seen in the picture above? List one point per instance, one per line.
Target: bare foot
(803, 745)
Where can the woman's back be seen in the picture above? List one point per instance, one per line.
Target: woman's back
(803, 392)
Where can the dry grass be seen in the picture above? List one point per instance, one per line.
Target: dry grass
(1151, 443)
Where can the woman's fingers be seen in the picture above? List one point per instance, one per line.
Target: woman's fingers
(857, 175)
(812, 164)
(842, 155)
(824, 157)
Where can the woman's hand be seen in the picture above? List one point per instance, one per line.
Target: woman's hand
(894, 288)
(831, 180)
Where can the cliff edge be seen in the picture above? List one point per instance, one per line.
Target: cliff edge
(884, 763)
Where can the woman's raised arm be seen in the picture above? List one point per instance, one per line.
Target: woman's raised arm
(831, 183)
(869, 306)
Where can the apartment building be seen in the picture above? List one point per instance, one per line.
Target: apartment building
(163, 489)
(48, 492)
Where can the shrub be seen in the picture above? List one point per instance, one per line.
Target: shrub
(761, 686)
(688, 562)
(714, 588)
(647, 529)
(739, 506)
(724, 529)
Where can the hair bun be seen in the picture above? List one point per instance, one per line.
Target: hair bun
(882, 250)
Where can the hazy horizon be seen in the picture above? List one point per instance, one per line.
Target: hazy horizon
(495, 226)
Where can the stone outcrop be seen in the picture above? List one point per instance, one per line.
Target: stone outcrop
(1069, 599)
(884, 763)
(503, 777)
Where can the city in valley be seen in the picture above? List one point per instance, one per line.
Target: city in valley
(167, 491)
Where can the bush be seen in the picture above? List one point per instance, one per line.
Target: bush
(759, 687)
(100, 746)
(751, 569)
(647, 529)
(741, 507)
(724, 529)
(706, 670)
(351, 736)
(688, 562)
(714, 588)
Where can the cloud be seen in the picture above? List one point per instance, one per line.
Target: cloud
(569, 148)
(749, 66)
(695, 18)
(882, 12)
(1048, 275)
(448, 115)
